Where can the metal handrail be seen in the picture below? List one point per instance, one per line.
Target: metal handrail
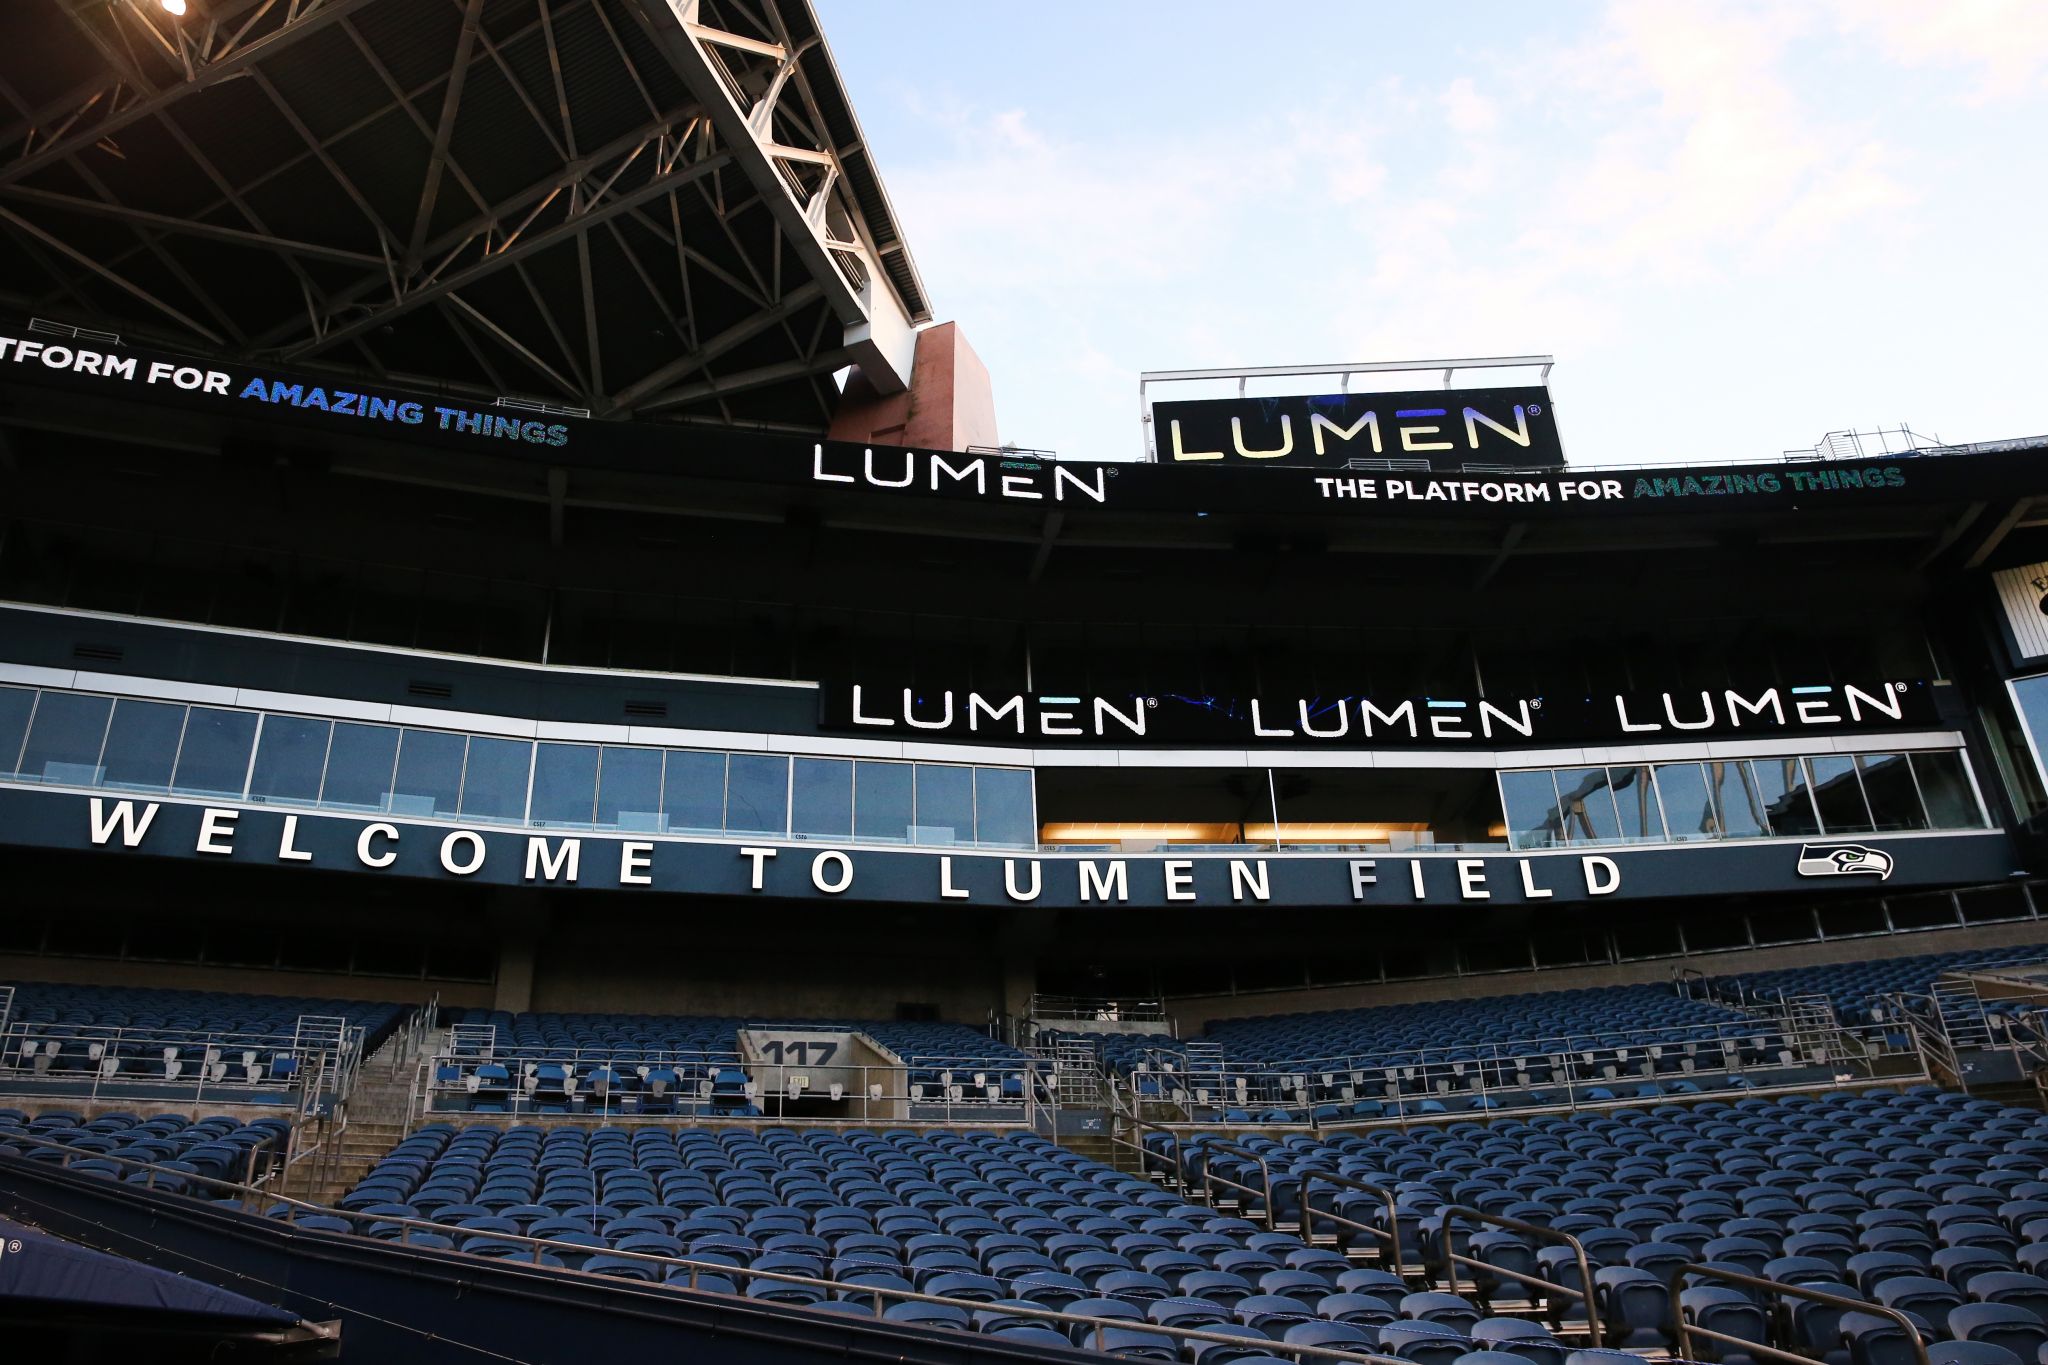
(1179, 1157)
(1265, 1174)
(1687, 1331)
(1391, 1234)
(541, 1246)
(1585, 1294)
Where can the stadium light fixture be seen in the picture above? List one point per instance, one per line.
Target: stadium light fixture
(174, 8)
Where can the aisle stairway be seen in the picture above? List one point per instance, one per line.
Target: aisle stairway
(376, 1121)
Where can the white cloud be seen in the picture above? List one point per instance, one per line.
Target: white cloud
(1466, 110)
(2006, 41)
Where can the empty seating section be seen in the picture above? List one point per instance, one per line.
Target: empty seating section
(140, 1040)
(184, 1153)
(1858, 988)
(690, 1065)
(1597, 1043)
(1934, 1203)
(983, 1218)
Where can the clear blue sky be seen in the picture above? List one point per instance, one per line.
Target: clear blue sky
(1737, 226)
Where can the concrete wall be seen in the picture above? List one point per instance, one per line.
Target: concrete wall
(1190, 1013)
(948, 406)
(838, 962)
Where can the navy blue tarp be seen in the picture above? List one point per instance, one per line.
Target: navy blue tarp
(36, 1267)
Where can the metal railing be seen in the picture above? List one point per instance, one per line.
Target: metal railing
(770, 1091)
(1687, 1331)
(1585, 1293)
(1390, 1235)
(1097, 1009)
(43, 1059)
(1494, 1075)
(253, 1198)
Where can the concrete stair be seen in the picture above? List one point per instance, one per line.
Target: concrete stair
(375, 1122)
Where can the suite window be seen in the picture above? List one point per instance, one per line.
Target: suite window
(1838, 794)
(1586, 805)
(693, 792)
(1945, 790)
(1688, 803)
(494, 780)
(945, 804)
(213, 760)
(16, 703)
(429, 773)
(757, 794)
(564, 784)
(1893, 795)
(883, 800)
(821, 797)
(1782, 791)
(360, 759)
(290, 753)
(1529, 801)
(142, 745)
(1739, 799)
(1635, 803)
(1002, 806)
(629, 789)
(64, 739)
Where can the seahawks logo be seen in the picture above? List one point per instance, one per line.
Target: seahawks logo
(1844, 860)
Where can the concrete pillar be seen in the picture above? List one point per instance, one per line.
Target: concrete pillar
(518, 918)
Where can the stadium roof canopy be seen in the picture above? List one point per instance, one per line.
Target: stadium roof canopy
(663, 208)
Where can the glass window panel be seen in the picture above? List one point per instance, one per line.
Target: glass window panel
(1529, 802)
(1888, 787)
(64, 742)
(214, 758)
(629, 790)
(1781, 791)
(359, 764)
(945, 804)
(1739, 800)
(2032, 696)
(693, 792)
(429, 773)
(1839, 795)
(1635, 801)
(494, 785)
(564, 784)
(1688, 804)
(882, 801)
(821, 797)
(1945, 787)
(142, 744)
(15, 704)
(1586, 803)
(757, 794)
(1002, 806)
(290, 753)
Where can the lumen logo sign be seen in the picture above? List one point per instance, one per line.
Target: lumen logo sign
(1444, 428)
(1080, 717)
(1844, 860)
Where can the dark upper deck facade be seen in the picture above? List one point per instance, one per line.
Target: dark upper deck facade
(1683, 675)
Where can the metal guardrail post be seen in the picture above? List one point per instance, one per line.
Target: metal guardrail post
(1246, 1154)
(1687, 1331)
(1391, 1235)
(1585, 1294)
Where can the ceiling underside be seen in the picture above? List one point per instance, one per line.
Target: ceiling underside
(499, 197)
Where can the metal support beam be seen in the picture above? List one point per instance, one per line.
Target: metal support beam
(717, 346)
(524, 245)
(310, 18)
(752, 379)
